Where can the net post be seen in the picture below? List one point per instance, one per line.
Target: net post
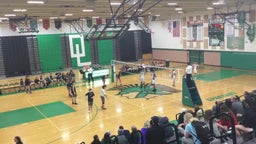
(112, 71)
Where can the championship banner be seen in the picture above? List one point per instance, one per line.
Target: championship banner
(98, 21)
(46, 23)
(57, 23)
(12, 25)
(89, 22)
(33, 24)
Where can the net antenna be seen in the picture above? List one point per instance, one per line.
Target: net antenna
(127, 11)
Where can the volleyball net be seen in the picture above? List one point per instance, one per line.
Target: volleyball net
(134, 68)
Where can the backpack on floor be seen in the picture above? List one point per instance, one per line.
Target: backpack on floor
(202, 131)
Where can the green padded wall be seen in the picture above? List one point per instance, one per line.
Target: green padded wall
(238, 60)
(105, 51)
(86, 58)
(50, 52)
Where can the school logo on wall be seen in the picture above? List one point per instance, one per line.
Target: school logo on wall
(77, 49)
(145, 91)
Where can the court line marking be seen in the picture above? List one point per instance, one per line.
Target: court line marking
(48, 119)
(75, 131)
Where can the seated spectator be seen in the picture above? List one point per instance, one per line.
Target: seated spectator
(121, 137)
(41, 81)
(135, 136)
(237, 107)
(189, 130)
(249, 117)
(155, 134)
(168, 129)
(125, 132)
(144, 130)
(198, 112)
(106, 139)
(226, 122)
(96, 140)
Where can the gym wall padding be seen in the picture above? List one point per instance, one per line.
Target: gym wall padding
(146, 42)
(127, 47)
(15, 56)
(212, 58)
(50, 52)
(238, 60)
(105, 51)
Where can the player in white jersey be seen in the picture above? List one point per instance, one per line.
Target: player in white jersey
(173, 76)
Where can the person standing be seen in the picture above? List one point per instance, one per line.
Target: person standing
(73, 93)
(90, 95)
(142, 79)
(153, 81)
(189, 74)
(17, 140)
(27, 85)
(195, 67)
(173, 77)
(118, 78)
(90, 77)
(102, 96)
(96, 140)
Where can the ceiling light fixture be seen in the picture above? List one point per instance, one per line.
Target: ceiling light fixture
(87, 10)
(115, 3)
(35, 2)
(216, 3)
(1, 18)
(172, 4)
(10, 15)
(95, 17)
(180, 12)
(53, 17)
(178, 9)
(20, 10)
(68, 14)
(209, 8)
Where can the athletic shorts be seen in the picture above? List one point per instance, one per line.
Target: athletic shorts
(102, 99)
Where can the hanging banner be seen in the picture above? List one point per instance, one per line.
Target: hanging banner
(98, 21)
(46, 23)
(33, 24)
(12, 25)
(57, 23)
(89, 22)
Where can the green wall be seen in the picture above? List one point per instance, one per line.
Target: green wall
(238, 60)
(105, 51)
(50, 52)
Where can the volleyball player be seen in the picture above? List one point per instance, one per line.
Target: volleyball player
(173, 77)
(118, 78)
(90, 95)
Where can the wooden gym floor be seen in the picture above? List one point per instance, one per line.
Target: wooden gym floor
(47, 116)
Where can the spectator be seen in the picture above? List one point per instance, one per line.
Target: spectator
(155, 134)
(135, 136)
(144, 131)
(17, 140)
(121, 137)
(96, 140)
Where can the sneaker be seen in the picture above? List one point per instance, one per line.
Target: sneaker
(249, 129)
(76, 103)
